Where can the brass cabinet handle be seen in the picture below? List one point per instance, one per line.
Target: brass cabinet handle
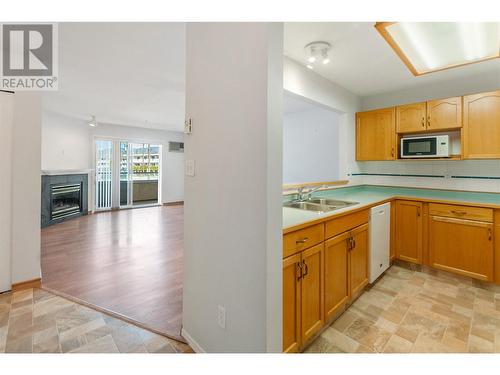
(303, 240)
(423, 122)
(348, 241)
(305, 268)
(299, 268)
(418, 211)
(429, 120)
(461, 213)
(392, 152)
(489, 234)
(353, 242)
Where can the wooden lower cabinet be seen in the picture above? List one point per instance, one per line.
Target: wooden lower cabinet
(336, 275)
(312, 317)
(462, 246)
(358, 260)
(303, 316)
(408, 229)
(291, 303)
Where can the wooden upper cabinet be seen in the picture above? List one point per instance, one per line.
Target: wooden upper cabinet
(376, 135)
(411, 118)
(444, 114)
(409, 231)
(481, 128)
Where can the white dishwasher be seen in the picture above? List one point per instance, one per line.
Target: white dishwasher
(379, 234)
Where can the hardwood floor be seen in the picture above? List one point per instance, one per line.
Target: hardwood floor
(128, 262)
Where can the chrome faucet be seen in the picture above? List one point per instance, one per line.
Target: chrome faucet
(301, 196)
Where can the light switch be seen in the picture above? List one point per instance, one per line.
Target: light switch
(189, 168)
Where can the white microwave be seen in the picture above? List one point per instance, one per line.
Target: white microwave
(433, 146)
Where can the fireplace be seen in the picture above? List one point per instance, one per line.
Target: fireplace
(64, 196)
(66, 200)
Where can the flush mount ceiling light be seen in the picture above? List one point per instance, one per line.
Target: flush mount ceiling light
(93, 122)
(317, 52)
(427, 47)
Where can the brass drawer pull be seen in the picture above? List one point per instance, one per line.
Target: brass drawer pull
(302, 241)
(423, 122)
(461, 213)
(489, 234)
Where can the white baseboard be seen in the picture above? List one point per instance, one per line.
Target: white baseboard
(192, 342)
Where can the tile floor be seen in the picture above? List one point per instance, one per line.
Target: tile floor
(36, 321)
(410, 311)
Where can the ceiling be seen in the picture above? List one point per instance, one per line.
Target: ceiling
(123, 73)
(361, 60)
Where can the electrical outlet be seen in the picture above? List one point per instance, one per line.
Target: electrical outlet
(221, 316)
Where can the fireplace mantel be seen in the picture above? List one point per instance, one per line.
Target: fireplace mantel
(62, 172)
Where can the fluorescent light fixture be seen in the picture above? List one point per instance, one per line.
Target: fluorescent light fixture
(427, 47)
(311, 59)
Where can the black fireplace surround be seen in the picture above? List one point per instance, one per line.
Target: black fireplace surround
(63, 197)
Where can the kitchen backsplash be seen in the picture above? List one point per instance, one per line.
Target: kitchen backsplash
(474, 175)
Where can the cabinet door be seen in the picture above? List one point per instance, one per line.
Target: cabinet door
(312, 292)
(461, 246)
(336, 277)
(481, 129)
(410, 118)
(409, 231)
(444, 114)
(376, 135)
(358, 260)
(291, 303)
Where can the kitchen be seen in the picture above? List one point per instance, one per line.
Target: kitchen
(394, 249)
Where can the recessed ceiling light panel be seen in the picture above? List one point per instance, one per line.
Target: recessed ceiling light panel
(427, 47)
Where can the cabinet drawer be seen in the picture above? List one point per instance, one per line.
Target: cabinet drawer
(336, 226)
(461, 212)
(302, 239)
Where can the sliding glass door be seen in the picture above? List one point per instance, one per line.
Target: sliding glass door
(139, 173)
(104, 174)
(127, 173)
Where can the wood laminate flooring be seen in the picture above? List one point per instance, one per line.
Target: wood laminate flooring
(127, 262)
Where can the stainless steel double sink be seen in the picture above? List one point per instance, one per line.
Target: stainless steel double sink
(319, 205)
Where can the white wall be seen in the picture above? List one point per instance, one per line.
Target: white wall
(303, 82)
(26, 187)
(233, 211)
(311, 146)
(472, 168)
(6, 132)
(67, 144)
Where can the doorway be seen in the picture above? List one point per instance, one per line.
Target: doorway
(127, 174)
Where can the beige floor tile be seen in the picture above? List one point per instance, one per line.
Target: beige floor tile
(480, 345)
(46, 323)
(339, 340)
(344, 321)
(103, 345)
(397, 344)
(366, 333)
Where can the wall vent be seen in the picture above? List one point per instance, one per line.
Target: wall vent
(176, 146)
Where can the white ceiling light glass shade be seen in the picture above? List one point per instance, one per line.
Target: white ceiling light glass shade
(317, 52)
(93, 122)
(427, 47)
